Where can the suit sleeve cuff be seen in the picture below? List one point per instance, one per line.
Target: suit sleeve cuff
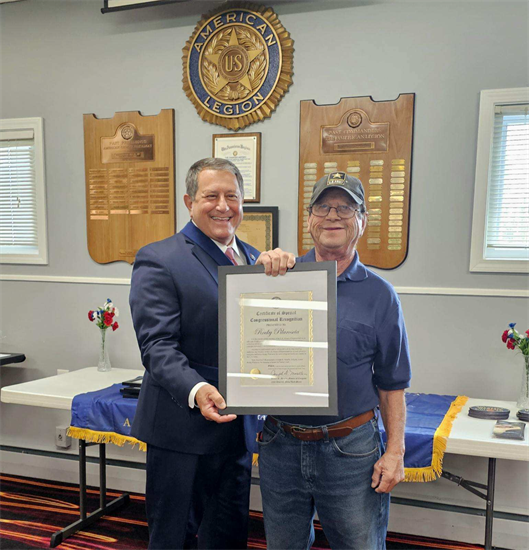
(193, 393)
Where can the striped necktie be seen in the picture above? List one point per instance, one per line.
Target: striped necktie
(231, 255)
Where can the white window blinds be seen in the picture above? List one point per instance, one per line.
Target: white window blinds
(18, 197)
(23, 234)
(507, 231)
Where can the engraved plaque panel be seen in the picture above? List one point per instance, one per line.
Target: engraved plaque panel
(129, 169)
(127, 145)
(355, 132)
(371, 140)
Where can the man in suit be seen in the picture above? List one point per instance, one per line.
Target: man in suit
(198, 461)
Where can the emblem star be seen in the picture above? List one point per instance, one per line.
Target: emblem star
(214, 58)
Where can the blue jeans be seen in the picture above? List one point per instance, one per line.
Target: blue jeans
(331, 476)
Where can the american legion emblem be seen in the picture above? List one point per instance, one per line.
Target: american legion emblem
(237, 64)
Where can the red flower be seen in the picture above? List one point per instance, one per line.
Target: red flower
(107, 319)
(510, 343)
(115, 326)
(504, 336)
(90, 315)
(112, 314)
(527, 332)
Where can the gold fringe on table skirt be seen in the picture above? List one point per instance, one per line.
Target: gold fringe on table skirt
(92, 436)
(432, 472)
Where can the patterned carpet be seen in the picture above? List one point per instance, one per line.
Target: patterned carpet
(32, 509)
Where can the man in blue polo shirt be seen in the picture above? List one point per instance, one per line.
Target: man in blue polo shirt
(336, 465)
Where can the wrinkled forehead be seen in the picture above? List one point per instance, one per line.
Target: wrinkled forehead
(216, 179)
(335, 194)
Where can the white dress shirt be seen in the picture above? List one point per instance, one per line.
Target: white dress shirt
(241, 260)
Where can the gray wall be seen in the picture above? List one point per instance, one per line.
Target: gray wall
(60, 59)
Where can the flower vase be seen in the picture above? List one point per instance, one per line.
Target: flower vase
(523, 398)
(103, 364)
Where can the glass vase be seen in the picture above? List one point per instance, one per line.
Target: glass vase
(103, 364)
(523, 398)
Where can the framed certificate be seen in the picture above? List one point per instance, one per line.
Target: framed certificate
(277, 340)
(244, 150)
(259, 227)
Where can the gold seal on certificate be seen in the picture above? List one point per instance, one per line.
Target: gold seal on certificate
(277, 340)
(275, 343)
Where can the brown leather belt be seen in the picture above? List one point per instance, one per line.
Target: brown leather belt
(336, 430)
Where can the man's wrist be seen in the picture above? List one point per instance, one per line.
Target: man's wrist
(192, 394)
(395, 448)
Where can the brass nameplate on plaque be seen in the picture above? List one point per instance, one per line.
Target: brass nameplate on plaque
(127, 144)
(129, 170)
(355, 132)
(370, 140)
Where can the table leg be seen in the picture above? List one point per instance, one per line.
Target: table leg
(490, 503)
(102, 475)
(85, 520)
(82, 478)
(487, 496)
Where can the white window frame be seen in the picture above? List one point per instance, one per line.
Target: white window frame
(478, 261)
(41, 257)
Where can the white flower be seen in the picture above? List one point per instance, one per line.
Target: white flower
(116, 312)
(109, 306)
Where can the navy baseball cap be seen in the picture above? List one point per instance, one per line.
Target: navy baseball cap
(339, 180)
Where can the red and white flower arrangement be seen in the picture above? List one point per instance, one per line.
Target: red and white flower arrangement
(104, 317)
(514, 339)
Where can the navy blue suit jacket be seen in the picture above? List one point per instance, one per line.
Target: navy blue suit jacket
(174, 304)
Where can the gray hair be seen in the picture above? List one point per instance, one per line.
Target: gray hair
(210, 164)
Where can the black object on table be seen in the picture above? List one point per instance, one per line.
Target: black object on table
(131, 388)
(11, 358)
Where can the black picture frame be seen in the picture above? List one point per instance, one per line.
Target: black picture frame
(258, 214)
(250, 271)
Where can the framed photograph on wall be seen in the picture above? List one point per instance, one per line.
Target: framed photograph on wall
(259, 227)
(244, 150)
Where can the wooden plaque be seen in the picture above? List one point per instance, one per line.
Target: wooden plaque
(371, 140)
(129, 170)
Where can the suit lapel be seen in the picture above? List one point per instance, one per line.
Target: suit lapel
(250, 258)
(205, 250)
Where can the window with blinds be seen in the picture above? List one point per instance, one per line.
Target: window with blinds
(22, 194)
(508, 201)
(500, 228)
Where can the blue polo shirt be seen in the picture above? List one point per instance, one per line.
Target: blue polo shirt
(372, 345)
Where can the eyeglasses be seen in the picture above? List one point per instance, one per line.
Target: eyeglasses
(343, 210)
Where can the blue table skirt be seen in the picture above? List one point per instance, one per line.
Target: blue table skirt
(105, 416)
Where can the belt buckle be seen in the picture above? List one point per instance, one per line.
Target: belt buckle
(298, 429)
